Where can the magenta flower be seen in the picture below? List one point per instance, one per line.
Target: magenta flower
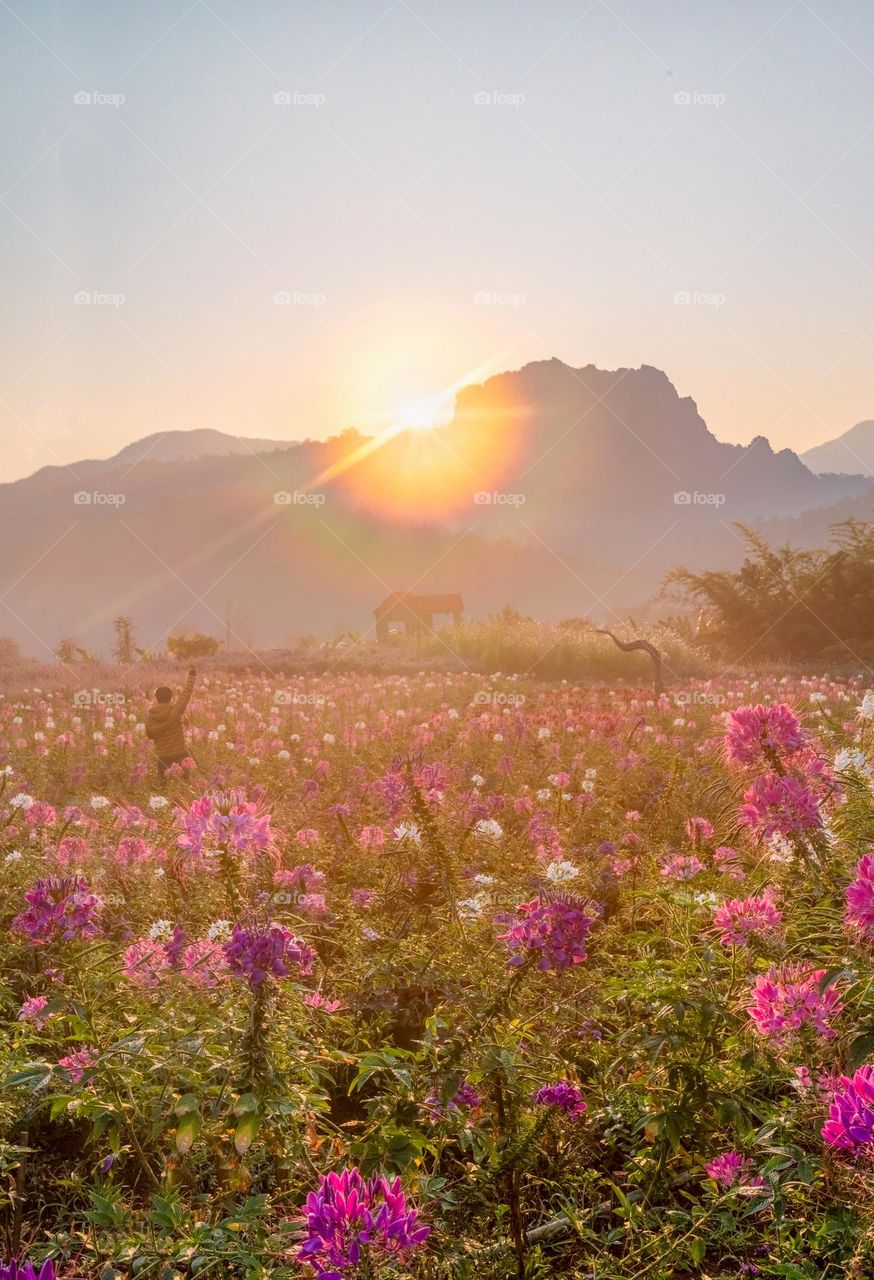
(58, 907)
(860, 897)
(260, 951)
(787, 998)
(348, 1220)
(850, 1125)
(27, 1271)
(77, 1063)
(731, 1168)
(774, 805)
(756, 733)
(562, 1095)
(739, 918)
(555, 931)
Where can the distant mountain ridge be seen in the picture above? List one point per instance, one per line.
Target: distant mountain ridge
(849, 454)
(561, 491)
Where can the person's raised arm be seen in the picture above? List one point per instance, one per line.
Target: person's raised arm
(185, 696)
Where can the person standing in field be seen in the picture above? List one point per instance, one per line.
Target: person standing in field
(165, 727)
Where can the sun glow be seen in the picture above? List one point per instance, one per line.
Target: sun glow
(422, 415)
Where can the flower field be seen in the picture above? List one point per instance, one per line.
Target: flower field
(439, 976)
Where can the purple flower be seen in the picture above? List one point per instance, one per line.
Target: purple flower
(26, 1271)
(561, 1095)
(58, 906)
(348, 1219)
(850, 1125)
(555, 931)
(259, 951)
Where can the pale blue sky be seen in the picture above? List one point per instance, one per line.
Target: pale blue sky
(386, 199)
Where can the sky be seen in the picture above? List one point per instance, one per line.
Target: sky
(285, 219)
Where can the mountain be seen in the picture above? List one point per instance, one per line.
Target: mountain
(175, 446)
(849, 454)
(560, 491)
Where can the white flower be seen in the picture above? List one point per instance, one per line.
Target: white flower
(587, 785)
(477, 780)
(498, 737)
(852, 759)
(99, 802)
(489, 828)
(21, 801)
(408, 831)
(866, 708)
(158, 802)
(591, 774)
(328, 738)
(484, 880)
(473, 906)
(14, 856)
(283, 755)
(219, 930)
(560, 872)
(543, 794)
(161, 930)
(544, 733)
(780, 849)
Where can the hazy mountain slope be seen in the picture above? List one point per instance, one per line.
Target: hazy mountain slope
(592, 461)
(849, 454)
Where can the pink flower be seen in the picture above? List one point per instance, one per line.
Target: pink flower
(738, 919)
(699, 829)
(371, 837)
(787, 998)
(32, 1010)
(316, 1000)
(860, 897)
(58, 907)
(76, 1064)
(145, 962)
(204, 963)
(774, 805)
(756, 733)
(682, 867)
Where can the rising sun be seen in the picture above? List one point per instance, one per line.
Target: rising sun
(421, 415)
